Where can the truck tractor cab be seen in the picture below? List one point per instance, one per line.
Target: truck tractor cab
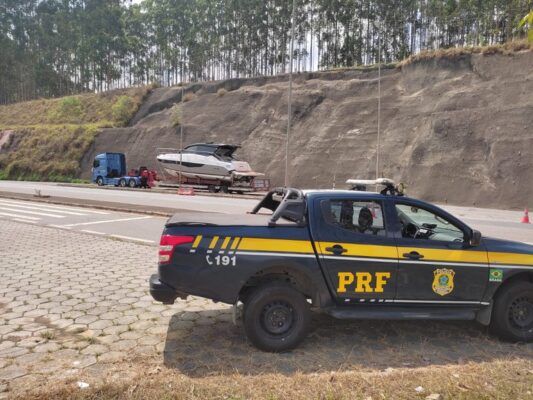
(108, 166)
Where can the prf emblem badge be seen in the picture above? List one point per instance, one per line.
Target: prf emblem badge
(443, 281)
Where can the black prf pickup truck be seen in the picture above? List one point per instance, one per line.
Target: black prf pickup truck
(350, 254)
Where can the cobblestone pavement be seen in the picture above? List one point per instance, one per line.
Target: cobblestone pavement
(69, 301)
(74, 306)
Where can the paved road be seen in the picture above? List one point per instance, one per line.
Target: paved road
(137, 197)
(127, 226)
(491, 222)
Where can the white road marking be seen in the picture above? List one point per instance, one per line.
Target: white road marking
(55, 207)
(31, 212)
(59, 226)
(42, 208)
(131, 238)
(26, 221)
(108, 221)
(92, 232)
(19, 216)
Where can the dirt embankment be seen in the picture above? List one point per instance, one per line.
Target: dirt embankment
(455, 130)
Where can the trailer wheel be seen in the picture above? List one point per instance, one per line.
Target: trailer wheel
(132, 183)
(122, 183)
(100, 181)
(276, 317)
(212, 188)
(224, 188)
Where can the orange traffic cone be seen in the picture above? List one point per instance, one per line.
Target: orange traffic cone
(525, 218)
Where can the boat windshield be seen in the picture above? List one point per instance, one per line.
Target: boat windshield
(225, 153)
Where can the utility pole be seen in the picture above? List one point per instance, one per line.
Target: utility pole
(181, 130)
(289, 111)
(379, 99)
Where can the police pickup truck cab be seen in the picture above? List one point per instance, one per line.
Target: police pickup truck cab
(350, 254)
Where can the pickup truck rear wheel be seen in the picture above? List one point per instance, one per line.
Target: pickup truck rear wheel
(276, 317)
(512, 317)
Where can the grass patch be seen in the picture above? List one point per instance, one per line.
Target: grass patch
(499, 379)
(508, 48)
(48, 153)
(67, 109)
(48, 335)
(175, 116)
(123, 110)
(51, 136)
(90, 108)
(189, 96)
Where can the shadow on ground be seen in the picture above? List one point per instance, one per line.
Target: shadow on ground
(208, 343)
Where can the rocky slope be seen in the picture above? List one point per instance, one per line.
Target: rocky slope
(456, 130)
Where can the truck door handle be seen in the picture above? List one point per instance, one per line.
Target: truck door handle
(414, 255)
(336, 249)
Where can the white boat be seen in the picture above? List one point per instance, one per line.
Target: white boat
(206, 161)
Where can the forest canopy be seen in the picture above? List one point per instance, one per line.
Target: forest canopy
(57, 47)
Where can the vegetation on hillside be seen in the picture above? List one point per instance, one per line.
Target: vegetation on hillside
(50, 137)
(58, 47)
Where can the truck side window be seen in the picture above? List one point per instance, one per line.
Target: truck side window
(418, 223)
(359, 216)
(96, 163)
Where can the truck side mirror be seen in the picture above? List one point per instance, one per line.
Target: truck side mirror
(475, 238)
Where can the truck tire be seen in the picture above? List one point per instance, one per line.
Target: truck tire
(122, 183)
(276, 317)
(512, 315)
(100, 181)
(132, 183)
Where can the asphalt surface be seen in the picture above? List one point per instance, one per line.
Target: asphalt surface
(126, 226)
(503, 224)
(137, 197)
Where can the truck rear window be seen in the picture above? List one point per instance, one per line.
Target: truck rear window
(364, 217)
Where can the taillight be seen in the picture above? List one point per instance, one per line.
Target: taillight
(167, 244)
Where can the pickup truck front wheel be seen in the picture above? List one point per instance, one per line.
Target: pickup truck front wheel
(276, 317)
(513, 312)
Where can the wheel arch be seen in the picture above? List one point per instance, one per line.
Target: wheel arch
(526, 276)
(297, 277)
(485, 316)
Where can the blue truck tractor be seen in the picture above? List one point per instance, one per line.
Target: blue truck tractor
(110, 169)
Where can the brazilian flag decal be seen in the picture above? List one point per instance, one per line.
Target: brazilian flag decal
(495, 275)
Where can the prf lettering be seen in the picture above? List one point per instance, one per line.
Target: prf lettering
(365, 282)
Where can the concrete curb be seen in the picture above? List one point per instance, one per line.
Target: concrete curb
(165, 190)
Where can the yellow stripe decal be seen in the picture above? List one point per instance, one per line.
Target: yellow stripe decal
(361, 250)
(225, 243)
(276, 245)
(379, 251)
(197, 241)
(213, 242)
(510, 258)
(234, 244)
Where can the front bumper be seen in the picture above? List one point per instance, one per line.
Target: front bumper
(162, 292)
